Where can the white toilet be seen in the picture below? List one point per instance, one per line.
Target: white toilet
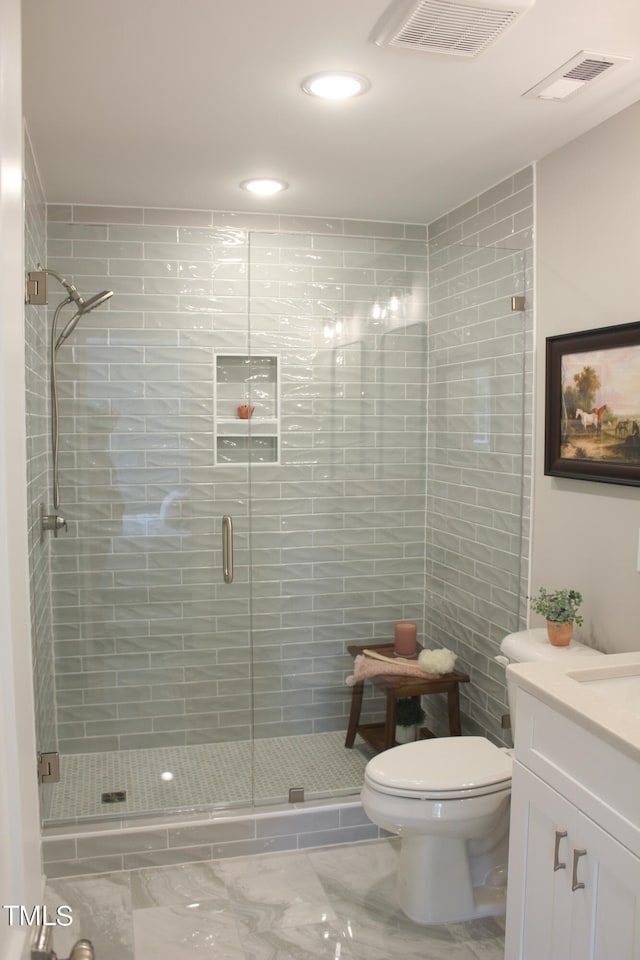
(448, 799)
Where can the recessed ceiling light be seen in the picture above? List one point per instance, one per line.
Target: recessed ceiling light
(335, 86)
(264, 186)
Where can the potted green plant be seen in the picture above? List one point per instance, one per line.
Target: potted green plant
(560, 610)
(409, 716)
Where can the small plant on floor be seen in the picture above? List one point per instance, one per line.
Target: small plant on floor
(558, 606)
(409, 712)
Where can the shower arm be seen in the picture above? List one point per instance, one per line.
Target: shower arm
(72, 290)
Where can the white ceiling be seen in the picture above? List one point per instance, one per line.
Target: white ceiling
(170, 103)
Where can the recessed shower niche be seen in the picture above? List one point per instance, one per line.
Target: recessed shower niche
(247, 409)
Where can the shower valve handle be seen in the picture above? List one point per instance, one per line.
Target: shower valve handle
(54, 523)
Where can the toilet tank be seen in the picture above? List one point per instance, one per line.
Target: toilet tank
(526, 646)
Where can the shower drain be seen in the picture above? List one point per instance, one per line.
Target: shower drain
(114, 796)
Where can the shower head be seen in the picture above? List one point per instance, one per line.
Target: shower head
(84, 306)
(95, 301)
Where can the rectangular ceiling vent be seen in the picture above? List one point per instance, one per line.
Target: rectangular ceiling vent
(461, 29)
(573, 76)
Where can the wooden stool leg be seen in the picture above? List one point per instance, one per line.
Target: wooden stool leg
(390, 721)
(453, 703)
(354, 717)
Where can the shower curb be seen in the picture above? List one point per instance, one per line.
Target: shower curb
(106, 846)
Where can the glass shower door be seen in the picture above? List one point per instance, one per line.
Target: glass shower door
(478, 480)
(152, 645)
(337, 507)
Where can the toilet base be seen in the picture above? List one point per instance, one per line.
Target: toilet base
(445, 895)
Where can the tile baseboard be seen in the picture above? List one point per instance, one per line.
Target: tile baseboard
(95, 848)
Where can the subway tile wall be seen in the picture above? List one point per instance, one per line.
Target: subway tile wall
(38, 465)
(152, 648)
(479, 446)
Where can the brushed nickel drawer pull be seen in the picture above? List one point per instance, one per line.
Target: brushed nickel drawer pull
(558, 864)
(576, 857)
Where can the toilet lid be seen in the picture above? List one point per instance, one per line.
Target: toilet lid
(441, 768)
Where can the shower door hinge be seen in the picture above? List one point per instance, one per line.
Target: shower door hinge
(49, 767)
(37, 287)
(518, 303)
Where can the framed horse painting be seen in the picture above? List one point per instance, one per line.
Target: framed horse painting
(592, 425)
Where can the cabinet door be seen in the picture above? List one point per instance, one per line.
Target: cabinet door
(605, 922)
(538, 901)
(573, 897)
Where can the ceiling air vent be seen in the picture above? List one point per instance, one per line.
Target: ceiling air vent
(573, 76)
(462, 29)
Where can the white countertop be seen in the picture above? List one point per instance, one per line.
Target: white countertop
(610, 711)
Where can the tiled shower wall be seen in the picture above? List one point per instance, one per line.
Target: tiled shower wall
(479, 464)
(38, 460)
(152, 647)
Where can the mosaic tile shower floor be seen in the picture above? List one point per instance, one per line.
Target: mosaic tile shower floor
(333, 903)
(207, 775)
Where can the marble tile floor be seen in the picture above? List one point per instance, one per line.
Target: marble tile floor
(331, 903)
(207, 775)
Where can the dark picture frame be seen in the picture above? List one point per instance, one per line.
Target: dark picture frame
(592, 422)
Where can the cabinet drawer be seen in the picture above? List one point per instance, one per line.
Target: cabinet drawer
(592, 773)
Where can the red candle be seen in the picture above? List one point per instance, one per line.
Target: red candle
(405, 638)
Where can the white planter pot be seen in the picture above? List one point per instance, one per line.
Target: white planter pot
(406, 734)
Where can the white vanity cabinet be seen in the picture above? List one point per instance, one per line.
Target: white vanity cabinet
(574, 860)
(578, 888)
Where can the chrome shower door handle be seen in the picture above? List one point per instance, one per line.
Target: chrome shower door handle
(227, 549)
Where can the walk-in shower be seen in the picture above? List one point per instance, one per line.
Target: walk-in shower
(175, 689)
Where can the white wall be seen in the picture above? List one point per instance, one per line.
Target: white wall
(585, 534)
(20, 872)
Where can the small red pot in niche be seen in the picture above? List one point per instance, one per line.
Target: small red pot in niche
(245, 412)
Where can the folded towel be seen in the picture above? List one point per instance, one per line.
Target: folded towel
(364, 666)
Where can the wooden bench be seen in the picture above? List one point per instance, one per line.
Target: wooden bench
(381, 736)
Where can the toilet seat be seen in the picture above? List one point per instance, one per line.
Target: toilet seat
(445, 768)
